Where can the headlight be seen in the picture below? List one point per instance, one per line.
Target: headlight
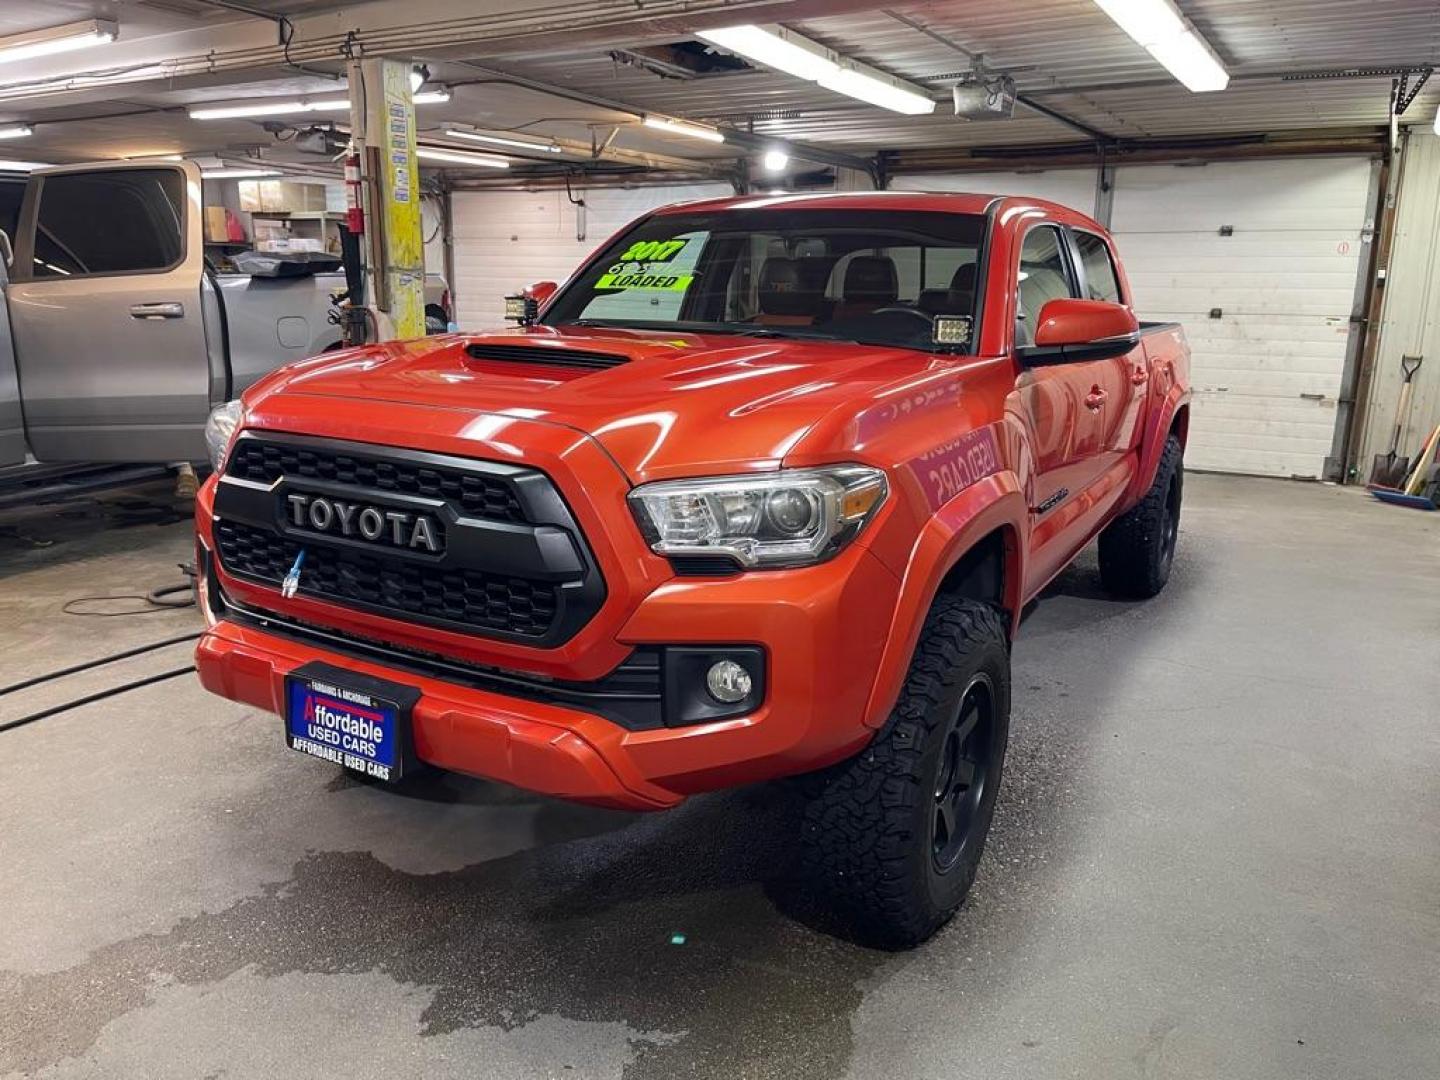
(788, 518)
(220, 428)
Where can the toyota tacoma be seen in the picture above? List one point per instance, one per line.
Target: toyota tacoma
(760, 492)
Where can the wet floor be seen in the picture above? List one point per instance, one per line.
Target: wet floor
(1215, 854)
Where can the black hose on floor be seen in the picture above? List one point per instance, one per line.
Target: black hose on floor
(99, 695)
(88, 664)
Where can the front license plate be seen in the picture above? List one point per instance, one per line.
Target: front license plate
(350, 719)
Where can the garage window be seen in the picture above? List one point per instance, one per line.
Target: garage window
(124, 221)
(1101, 282)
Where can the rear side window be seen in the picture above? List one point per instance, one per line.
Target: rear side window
(1043, 276)
(1100, 280)
(119, 222)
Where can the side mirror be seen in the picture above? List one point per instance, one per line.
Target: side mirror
(541, 291)
(1070, 330)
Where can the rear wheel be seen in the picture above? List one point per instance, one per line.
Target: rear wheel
(892, 838)
(1137, 549)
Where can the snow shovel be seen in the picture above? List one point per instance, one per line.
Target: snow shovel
(1388, 470)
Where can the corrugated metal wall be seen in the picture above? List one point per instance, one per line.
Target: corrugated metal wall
(1410, 317)
(504, 240)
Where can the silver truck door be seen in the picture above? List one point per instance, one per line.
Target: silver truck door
(105, 306)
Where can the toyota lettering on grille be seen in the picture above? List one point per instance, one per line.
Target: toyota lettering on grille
(376, 524)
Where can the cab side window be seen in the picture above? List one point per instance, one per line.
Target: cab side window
(1101, 282)
(123, 221)
(1044, 276)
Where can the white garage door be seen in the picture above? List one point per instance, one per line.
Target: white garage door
(1074, 188)
(504, 240)
(1266, 308)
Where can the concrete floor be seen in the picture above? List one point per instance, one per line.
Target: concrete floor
(1217, 855)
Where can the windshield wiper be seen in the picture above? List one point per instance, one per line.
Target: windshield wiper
(772, 332)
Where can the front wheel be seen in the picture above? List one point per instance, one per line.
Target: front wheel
(1137, 549)
(891, 838)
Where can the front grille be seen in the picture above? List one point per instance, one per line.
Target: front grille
(473, 597)
(479, 496)
(511, 562)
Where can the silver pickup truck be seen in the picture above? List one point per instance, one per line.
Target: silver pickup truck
(116, 337)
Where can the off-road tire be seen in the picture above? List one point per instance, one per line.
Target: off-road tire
(870, 832)
(1137, 549)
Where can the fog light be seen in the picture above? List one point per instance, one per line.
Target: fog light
(728, 682)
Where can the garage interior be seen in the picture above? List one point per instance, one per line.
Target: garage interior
(1215, 848)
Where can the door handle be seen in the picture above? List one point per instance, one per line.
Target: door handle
(163, 310)
(1139, 375)
(1095, 399)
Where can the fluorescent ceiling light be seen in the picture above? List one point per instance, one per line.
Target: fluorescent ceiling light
(878, 91)
(8, 165)
(681, 127)
(238, 173)
(16, 131)
(499, 140)
(57, 39)
(1167, 35)
(268, 108)
(775, 160)
(291, 106)
(775, 47)
(784, 50)
(460, 157)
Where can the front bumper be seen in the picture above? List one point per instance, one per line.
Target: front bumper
(818, 628)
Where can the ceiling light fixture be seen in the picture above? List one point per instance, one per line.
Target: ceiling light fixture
(239, 173)
(57, 39)
(460, 157)
(16, 131)
(684, 127)
(292, 106)
(775, 47)
(786, 51)
(1160, 28)
(267, 108)
(499, 140)
(774, 160)
(879, 90)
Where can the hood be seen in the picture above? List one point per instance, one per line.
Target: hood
(662, 404)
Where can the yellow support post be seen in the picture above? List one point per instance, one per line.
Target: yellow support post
(383, 127)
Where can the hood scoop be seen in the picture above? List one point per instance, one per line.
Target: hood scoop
(548, 355)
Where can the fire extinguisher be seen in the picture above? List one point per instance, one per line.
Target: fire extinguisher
(354, 207)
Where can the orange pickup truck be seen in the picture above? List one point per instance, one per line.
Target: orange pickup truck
(760, 492)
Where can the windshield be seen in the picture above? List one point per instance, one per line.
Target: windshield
(872, 276)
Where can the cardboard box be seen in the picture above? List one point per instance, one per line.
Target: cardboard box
(216, 228)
